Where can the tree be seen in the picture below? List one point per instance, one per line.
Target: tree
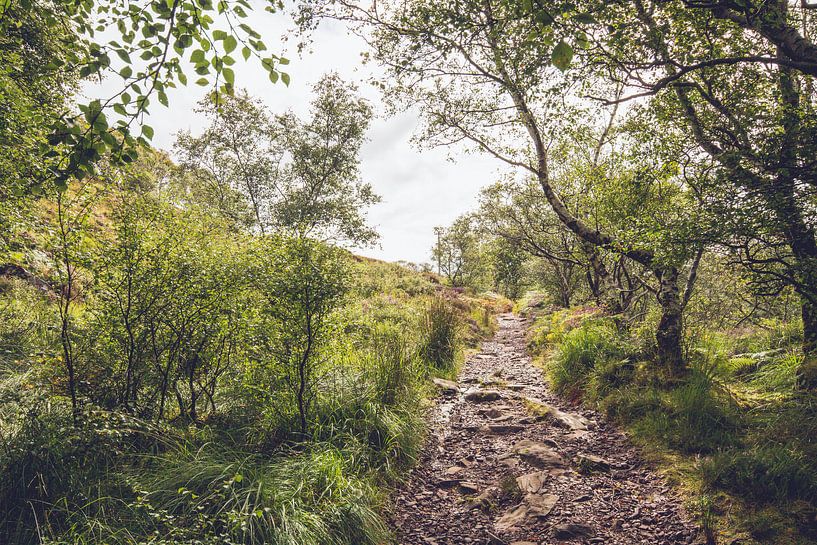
(508, 264)
(735, 81)
(459, 253)
(160, 33)
(235, 154)
(304, 283)
(299, 177)
(320, 191)
(479, 65)
(514, 213)
(31, 94)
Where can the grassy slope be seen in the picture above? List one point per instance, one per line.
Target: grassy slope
(121, 480)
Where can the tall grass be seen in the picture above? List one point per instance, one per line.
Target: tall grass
(311, 497)
(440, 332)
(593, 345)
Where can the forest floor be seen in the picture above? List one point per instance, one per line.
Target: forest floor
(507, 462)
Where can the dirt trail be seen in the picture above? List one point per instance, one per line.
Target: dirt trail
(507, 462)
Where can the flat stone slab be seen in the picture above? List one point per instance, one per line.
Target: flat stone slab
(536, 506)
(502, 429)
(540, 505)
(532, 483)
(476, 395)
(538, 454)
(570, 421)
(572, 530)
(446, 386)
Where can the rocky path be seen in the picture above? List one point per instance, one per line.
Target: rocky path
(507, 463)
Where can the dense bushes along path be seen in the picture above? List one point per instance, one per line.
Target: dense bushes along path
(503, 464)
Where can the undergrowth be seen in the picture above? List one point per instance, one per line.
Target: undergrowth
(242, 475)
(734, 432)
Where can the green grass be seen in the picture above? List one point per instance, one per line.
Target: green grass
(440, 330)
(241, 476)
(593, 345)
(734, 433)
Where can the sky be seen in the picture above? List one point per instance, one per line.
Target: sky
(420, 189)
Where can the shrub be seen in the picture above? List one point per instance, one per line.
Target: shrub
(608, 376)
(440, 330)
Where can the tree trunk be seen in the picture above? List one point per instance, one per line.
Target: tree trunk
(669, 334)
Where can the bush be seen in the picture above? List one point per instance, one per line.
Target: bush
(607, 376)
(440, 330)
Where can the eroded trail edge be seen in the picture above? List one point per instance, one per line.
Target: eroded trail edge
(507, 462)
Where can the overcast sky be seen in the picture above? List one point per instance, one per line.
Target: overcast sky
(420, 188)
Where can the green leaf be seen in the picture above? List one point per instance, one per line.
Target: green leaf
(147, 131)
(202, 81)
(285, 78)
(230, 44)
(229, 75)
(561, 55)
(123, 55)
(245, 52)
(584, 18)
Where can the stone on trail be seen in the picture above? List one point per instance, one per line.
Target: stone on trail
(572, 530)
(531, 483)
(468, 488)
(560, 418)
(502, 429)
(448, 483)
(538, 454)
(448, 387)
(482, 396)
(513, 518)
(540, 505)
(590, 462)
(533, 506)
(453, 470)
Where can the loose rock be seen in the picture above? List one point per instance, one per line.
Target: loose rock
(482, 396)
